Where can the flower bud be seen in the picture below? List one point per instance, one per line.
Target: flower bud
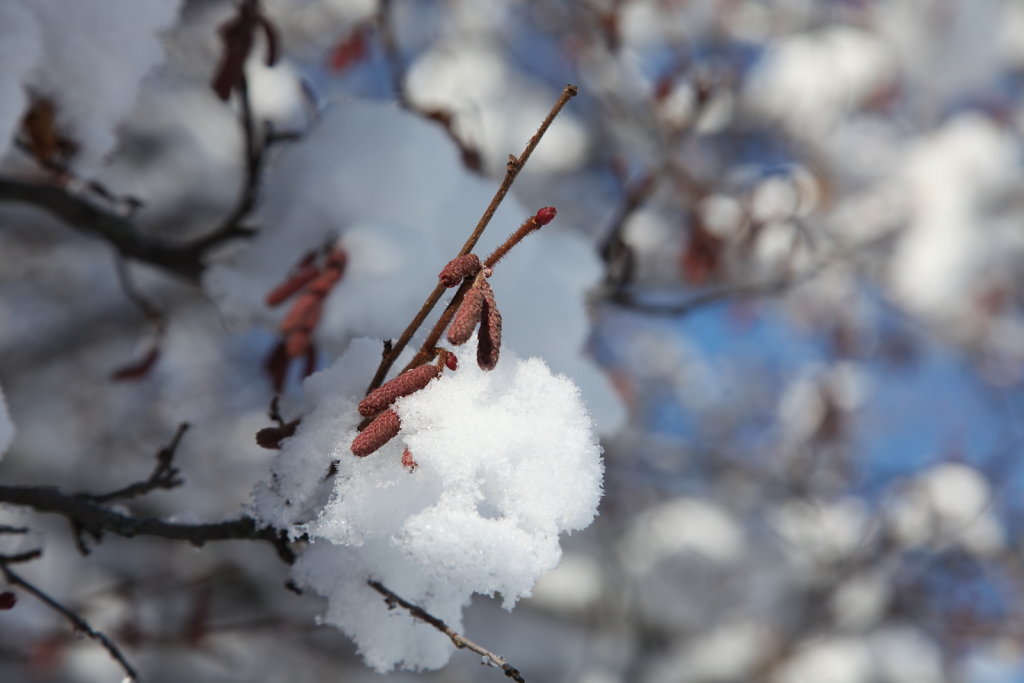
(546, 215)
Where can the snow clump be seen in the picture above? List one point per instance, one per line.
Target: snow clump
(87, 59)
(504, 462)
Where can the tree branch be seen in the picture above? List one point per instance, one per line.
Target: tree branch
(76, 621)
(88, 516)
(88, 218)
(460, 641)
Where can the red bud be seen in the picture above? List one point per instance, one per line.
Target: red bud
(546, 215)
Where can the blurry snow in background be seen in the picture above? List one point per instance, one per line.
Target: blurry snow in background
(820, 484)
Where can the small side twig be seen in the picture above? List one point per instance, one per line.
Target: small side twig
(512, 169)
(740, 290)
(77, 622)
(458, 640)
(163, 476)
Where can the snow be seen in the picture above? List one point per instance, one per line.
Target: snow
(684, 526)
(956, 178)
(91, 73)
(822, 531)
(505, 461)
(948, 504)
(810, 81)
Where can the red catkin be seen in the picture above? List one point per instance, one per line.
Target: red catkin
(383, 428)
(489, 339)
(458, 269)
(325, 282)
(337, 259)
(466, 317)
(297, 343)
(303, 315)
(302, 277)
(403, 385)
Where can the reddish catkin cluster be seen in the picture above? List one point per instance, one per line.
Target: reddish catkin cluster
(314, 282)
(386, 424)
(478, 306)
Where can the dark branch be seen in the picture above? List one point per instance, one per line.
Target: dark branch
(76, 621)
(741, 290)
(87, 516)
(86, 217)
(460, 641)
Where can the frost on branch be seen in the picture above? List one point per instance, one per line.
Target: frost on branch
(86, 59)
(505, 461)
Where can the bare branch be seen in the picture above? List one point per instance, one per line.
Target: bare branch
(460, 641)
(89, 218)
(87, 516)
(76, 621)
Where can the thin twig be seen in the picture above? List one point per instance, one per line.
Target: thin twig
(148, 308)
(392, 55)
(626, 299)
(253, 152)
(87, 516)
(76, 621)
(163, 476)
(512, 169)
(460, 641)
